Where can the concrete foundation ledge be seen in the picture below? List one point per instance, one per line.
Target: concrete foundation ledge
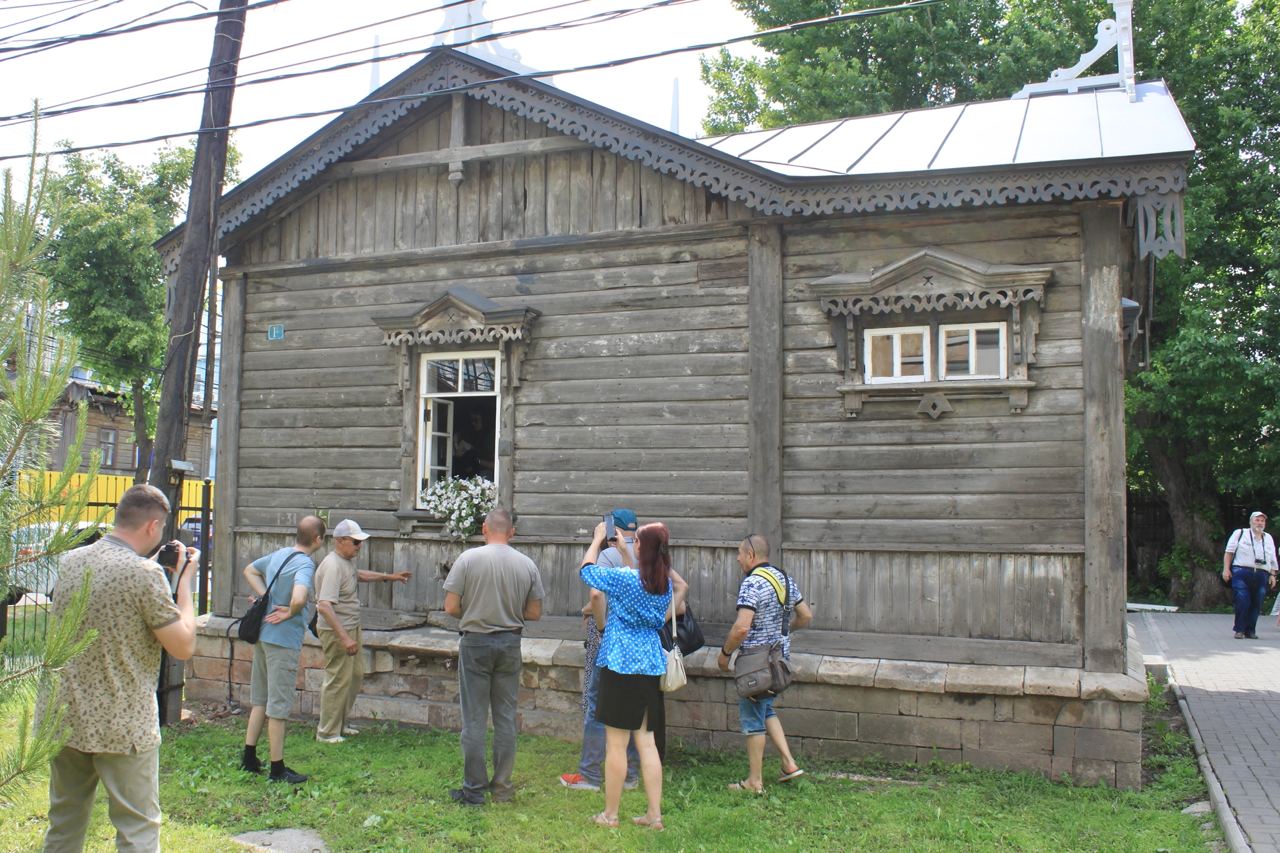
(1050, 720)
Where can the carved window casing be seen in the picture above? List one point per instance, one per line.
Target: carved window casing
(478, 345)
(936, 326)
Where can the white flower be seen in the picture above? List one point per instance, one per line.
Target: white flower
(460, 504)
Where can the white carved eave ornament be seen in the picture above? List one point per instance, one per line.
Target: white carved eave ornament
(943, 285)
(458, 318)
(1156, 186)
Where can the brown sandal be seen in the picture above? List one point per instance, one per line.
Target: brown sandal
(743, 786)
(655, 825)
(603, 819)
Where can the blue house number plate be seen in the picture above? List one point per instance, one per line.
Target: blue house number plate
(275, 332)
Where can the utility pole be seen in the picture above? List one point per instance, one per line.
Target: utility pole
(187, 296)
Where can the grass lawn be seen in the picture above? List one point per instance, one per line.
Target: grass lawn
(387, 790)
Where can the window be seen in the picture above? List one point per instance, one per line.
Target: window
(897, 355)
(107, 446)
(458, 410)
(974, 351)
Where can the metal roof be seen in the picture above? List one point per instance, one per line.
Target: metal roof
(1061, 128)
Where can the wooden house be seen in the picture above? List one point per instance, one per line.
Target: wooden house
(894, 344)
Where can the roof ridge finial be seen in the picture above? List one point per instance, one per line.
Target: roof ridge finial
(1114, 32)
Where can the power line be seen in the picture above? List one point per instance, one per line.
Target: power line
(6, 8)
(465, 87)
(194, 89)
(62, 41)
(79, 4)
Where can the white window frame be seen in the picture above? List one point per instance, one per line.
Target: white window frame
(427, 436)
(896, 333)
(972, 328)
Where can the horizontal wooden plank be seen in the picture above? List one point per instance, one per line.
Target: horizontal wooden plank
(633, 414)
(932, 227)
(344, 436)
(386, 459)
(365, 335)
(658, 318)
(448, 156)
(925, 431)
(334, 500)
(282, 418)
(1041, 401)
(931, 531)
(382, 395)
(605, 391)
(635, 367)
(259, 380)
(1059, 353)
(578, 526)
(323, 479)
(1026, 454)
(1021, 506)
(700, 459)
(1037, 480)
(672, 502)
(628, 344)
(376, 355)
(641, 482)
(942, 649)
(656, 437)
(286, 518)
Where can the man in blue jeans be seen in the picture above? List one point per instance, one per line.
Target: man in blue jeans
(492, 591)
(591, 764)
(765, 597)
(1249, 565)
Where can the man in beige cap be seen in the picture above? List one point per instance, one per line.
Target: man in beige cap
(1249, 565)
(339, 628)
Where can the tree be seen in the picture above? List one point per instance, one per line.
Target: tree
(106, 270)
(37, 361)
(1209, 400)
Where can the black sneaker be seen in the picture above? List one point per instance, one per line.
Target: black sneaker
(254, 766)
(287, 775)
(460, 797)
(1249, 636)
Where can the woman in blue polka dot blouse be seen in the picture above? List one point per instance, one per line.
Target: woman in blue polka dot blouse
(631, 661)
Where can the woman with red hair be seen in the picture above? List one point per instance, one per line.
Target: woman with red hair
(631, 660)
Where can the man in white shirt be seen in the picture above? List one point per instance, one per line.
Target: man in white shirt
(1249, 565)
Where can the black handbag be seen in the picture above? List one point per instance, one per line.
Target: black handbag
(688, 633)
(251, 622)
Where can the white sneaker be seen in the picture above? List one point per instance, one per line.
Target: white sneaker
(350, 732)
(334, 739)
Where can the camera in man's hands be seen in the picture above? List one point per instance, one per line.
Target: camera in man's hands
(167, 556)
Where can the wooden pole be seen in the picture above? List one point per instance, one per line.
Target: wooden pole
(187, 295)
(198, 244)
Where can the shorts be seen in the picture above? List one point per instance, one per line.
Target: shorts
(752, 714)
(274, 678)
(624, 700)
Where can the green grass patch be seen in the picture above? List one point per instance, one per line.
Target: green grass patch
(387, 790)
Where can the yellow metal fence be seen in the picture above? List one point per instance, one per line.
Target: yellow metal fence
(105, 493)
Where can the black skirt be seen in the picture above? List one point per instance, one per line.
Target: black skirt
(626, 699)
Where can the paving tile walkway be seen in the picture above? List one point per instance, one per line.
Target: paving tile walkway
(1232, 688)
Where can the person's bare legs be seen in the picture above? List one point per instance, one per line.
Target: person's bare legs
(779, 738)
(275, 735)
(755, 761)
(253, 730)
(651, 772)
(615, 768)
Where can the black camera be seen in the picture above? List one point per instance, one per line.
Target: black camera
(167, 556)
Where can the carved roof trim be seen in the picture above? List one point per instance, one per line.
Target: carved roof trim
(459, 316)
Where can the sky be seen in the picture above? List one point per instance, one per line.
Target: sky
(88, 69)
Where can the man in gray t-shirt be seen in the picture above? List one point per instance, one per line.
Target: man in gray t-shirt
(492, 591)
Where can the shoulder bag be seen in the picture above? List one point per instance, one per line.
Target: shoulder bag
(674, 678)
(688, 633)
(251, 622)
(765, 671)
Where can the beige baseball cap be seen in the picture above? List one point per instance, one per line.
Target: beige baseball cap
(350, 529)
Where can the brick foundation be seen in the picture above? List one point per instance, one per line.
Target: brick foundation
(1059, 722)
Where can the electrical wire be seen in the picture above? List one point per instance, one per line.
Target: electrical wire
(465, 87)
(79, 4)
(6, 8)
(199, 88)
(62, 41)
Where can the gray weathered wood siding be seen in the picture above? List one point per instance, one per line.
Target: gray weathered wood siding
(569, 192)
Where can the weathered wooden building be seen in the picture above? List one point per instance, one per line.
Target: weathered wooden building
(895, 344)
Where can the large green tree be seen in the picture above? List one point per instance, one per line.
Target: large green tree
(105, 269)
(1203, 418)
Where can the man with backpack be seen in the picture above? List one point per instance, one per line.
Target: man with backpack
(286, 575)
(1248, 564)
(767, 600)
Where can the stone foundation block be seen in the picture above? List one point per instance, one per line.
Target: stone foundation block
(917, 676)
(704, 715)
(909, 731)
(988, 680)
(994, 759)
(396, 684)
(1111, 685)
(955, 706)
(1091, 771)
(1110, 745)
(1016, 737)
(382, 662)
(853, 672)
(391, 708)
(860, 751)
(442, 689)
(1128, 775)
(1052, 681)
(559, 702)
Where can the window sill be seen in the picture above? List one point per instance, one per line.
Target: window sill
(934, 395)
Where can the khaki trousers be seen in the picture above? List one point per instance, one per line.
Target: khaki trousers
(343, 675)
(133, 791)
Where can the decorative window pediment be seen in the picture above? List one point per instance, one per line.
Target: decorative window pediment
(935, 292)
(460, 316)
